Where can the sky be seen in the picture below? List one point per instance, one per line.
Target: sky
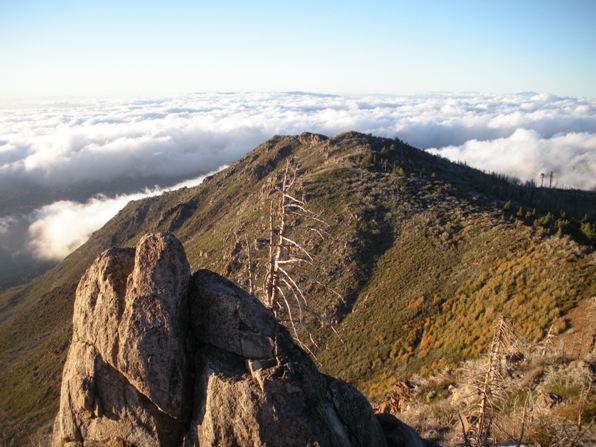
(109, 101)
(114, 48)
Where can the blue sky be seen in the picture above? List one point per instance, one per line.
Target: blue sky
(145, 47)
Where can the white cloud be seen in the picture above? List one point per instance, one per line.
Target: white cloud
(64, 145)
(61, 227)
(571, 157)
(5, 224)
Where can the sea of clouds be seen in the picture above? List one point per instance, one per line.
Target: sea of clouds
(70, 142)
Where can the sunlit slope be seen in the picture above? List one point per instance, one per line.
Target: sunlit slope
(423, 252)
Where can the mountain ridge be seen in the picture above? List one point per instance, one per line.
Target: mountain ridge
(415, 241)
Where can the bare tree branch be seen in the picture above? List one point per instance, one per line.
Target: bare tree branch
(285, 255)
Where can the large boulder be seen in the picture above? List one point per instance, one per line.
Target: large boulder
(397, 433)
(257, 387)
(126, 377)
(140, 372)
(153, 329)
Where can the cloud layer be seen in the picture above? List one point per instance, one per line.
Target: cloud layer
(32, 243)
(571, 157)
(71, 143)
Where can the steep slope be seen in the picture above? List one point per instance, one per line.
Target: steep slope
(423, 252)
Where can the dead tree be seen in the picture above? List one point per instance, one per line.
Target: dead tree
(250, 268)
(548, 340)
(490, 385)
(281, 292)
(279, 244)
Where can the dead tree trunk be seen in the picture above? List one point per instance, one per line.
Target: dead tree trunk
(490, 383)
(250, 268)
(484, 422)
(277, 236)
(548, 340)
(283, 294)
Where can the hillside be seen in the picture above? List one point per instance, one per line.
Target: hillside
(424, 253)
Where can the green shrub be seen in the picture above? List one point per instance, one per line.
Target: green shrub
(368, 161)
(561, 225)
(543, 221)
(588, 230)
(397, 169)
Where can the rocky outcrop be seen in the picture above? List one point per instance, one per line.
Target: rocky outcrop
(257, 387)
(126, 376)
(141, 372)
(311, 138)
(398, 434)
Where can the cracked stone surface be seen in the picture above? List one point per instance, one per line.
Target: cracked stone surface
(257, 387)
(126, 378)
(162, 358)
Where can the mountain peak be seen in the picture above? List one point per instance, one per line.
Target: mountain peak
(312, 138)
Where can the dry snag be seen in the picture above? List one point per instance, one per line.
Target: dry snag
(282, 290)
(489, 383)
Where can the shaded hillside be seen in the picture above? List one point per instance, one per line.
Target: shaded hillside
(424, 252)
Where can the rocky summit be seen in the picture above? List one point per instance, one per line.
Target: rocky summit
(160, 357)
